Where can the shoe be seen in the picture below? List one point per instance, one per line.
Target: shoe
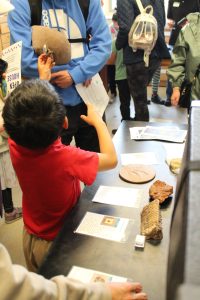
(156, 99)
(167, 102)
(148, 102)
(114, 131)
(13, 216)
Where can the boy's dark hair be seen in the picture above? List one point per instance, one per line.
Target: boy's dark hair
(34, 114)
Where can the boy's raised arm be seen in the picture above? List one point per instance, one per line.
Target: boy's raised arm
(107, 155)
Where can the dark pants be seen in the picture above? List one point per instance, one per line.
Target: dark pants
(169, 90)
(139, 77)
(125, 98)
(85, 135)
(111, 79)
(7, 200)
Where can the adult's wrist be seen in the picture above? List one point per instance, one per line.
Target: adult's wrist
(176, 88)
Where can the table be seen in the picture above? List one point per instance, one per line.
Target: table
(148, 266)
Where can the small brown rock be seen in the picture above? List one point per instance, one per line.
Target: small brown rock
(160, 190)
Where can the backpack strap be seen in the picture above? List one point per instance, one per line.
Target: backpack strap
(36, 11)
(84, 6)
(36, 15)
(140, 6)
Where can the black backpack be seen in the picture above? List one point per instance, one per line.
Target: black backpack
(36, 14)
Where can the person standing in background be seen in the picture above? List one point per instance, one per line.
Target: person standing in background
(112, 88)
(7, 173)
(138, 74)
(122, 82)
(177, 11)
(155, 98)
(186, 59)
(67, 15)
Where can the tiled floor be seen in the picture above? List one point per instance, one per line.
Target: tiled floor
(11, 234)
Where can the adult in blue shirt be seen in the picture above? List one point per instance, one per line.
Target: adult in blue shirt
(85, 61)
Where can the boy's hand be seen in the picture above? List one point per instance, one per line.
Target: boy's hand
(92, 117)
(45, 64)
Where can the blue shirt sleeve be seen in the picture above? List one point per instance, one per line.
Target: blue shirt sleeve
(19, 22)
(20, 30)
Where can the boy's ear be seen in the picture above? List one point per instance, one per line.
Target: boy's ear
(65, 123)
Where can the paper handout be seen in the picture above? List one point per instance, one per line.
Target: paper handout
(163, 133)
(95, 93)
(88, 275)
(103, 226)
(119, 196)
(142, 158)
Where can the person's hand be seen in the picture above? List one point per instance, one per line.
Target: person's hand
(62, 79)
(170, 23)
(127, 291)
(175, 96)
(1, 124)
(45, 64)
(3, 76)
(92, 117)
(87, 82)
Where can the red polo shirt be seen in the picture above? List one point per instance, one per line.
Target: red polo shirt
(50, 183)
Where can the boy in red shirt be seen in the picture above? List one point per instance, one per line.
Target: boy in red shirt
(49, 172)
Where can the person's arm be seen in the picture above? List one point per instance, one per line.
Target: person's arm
(45, 65)
(113, 57)
(20, 30)
(176, 71)
(18, 283)
(126, 15)
(19, 21)
(107, 155)
(175, 96)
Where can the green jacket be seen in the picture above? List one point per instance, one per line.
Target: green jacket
(186, 55)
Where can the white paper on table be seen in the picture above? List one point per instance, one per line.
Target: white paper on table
(165, 133)
(195, 103)
(119, 196)
(135, 132)
(102, 226)
(95, 93)
(12, 55)
(89, 275)
(143, 158)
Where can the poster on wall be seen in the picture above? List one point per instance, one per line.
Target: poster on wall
(12, 55)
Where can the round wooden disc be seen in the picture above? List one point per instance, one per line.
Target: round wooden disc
(137, 173)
